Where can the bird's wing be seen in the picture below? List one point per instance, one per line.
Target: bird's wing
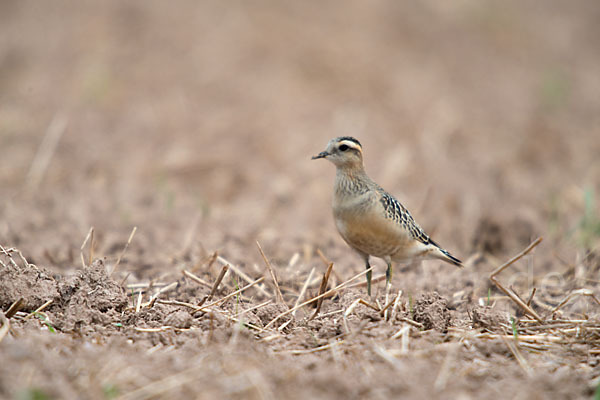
(395, 211)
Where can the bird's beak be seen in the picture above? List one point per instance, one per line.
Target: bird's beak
(322, 154)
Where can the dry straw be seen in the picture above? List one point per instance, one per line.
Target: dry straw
(510, 293)
(279, 296)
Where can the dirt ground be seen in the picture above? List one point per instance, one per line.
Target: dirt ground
(146, 145)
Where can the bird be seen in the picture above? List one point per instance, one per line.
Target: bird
(369, 219)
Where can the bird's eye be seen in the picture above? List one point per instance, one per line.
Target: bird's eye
(344, 147)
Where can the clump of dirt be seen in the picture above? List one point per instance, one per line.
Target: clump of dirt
(179, 319)
(87, 298)
(267, 313)
(147, 317)
(324, 329)
(432, 311)
(487, 318)
(20, 279)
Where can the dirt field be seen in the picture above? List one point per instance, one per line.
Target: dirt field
(146, 145)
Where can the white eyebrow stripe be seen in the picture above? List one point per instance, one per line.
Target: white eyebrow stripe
(350, 144)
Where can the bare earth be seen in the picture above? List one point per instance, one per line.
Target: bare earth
(146, 145)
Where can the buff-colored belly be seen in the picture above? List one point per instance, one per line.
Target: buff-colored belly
(374, 235)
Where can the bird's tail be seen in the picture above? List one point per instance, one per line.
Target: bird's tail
(445, 256)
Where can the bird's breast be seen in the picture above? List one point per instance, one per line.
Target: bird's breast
(364, 227)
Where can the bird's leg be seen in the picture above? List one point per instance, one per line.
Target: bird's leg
(388, 285)
(388, 276)
(369, 275)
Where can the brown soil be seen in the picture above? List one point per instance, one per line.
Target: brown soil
(195, 124)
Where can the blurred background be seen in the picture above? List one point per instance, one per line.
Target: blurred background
(195, 121)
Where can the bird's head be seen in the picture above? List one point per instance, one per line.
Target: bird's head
(344, 152)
